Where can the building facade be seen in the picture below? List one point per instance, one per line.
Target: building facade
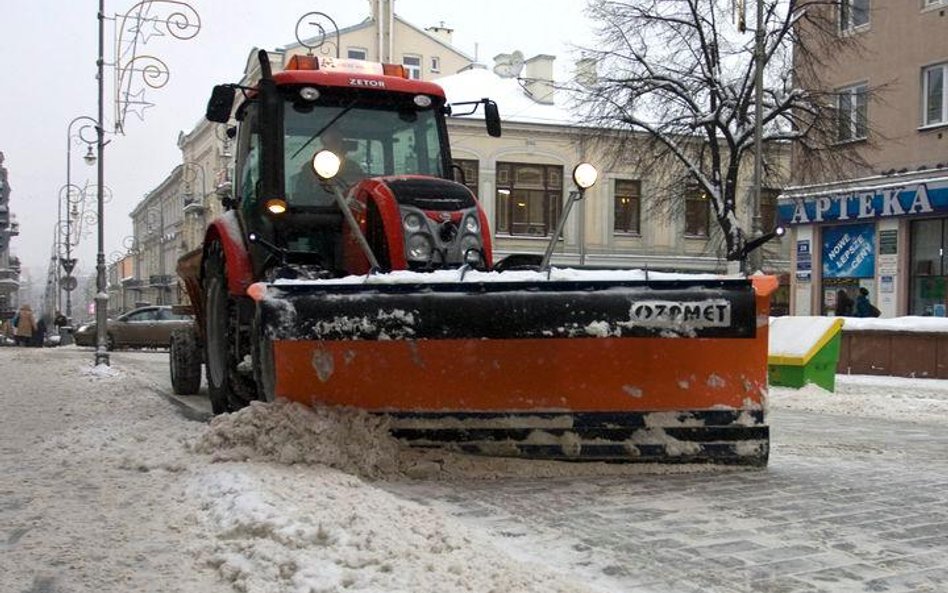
(9, 265)
(882, 225)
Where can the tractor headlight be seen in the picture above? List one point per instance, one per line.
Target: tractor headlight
(419, 247)
(308, 93)
(326, 164)
(470, 242)
(413, 222)
(472, 225)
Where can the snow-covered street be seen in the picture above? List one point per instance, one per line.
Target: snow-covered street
(107, 486)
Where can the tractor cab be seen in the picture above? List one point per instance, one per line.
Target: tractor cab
(371, 117)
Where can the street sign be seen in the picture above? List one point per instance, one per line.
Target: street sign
(68, 264)
(68, 283)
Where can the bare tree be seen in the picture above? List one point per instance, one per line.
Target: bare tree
(679, 74)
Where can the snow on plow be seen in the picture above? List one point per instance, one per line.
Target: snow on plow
(578, 366)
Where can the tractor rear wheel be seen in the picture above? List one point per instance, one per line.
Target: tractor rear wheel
(185, 357)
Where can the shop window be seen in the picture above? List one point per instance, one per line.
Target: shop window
(467, 175)
(853, 14)
(935, 94)
(928, 291)
(697, 213)
(852, 106)
(357, 53)
(412, 66)
(528, 198)
(628, 197)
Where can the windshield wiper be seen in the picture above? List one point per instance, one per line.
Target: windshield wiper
(319, 132)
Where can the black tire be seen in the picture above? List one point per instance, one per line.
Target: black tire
(185, 362)
(227, 389)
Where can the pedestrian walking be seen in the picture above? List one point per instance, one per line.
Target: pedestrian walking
(863, 307)
(844, 303)
(38, 339)
(25, 326)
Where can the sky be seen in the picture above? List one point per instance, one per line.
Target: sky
(50, 79)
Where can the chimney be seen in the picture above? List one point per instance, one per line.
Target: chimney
(586, 72)
(383, 14)
(441, 33)
(539, 78)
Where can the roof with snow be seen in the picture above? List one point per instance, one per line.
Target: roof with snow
(512, 99)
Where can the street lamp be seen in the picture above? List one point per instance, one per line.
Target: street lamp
(189, 171)
(585, 176)
(90, 159)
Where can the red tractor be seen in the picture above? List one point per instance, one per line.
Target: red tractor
(351, 269)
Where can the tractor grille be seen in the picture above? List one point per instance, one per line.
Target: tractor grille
(431, 194)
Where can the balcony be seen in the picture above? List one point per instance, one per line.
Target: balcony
(161, 280)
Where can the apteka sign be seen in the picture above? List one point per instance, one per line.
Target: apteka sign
(867, 203)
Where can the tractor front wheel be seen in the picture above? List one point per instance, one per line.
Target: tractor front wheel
(217, 339)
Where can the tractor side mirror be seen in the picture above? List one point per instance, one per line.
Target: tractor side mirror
(492, 118)
(221, 103)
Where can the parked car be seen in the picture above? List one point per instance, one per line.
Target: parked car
(147, 327)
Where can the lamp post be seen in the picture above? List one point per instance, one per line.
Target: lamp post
(585, 176)
(68, 263)
(155, 214)
(190, 168)
(101, 297)
(757, 257)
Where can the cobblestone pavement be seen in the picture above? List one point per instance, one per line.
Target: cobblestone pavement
(846, 504)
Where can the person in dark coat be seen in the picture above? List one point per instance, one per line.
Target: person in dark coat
(39, 336)
(863, 307)
(844, 304)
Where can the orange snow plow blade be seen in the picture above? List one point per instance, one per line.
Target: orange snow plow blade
(669, 371)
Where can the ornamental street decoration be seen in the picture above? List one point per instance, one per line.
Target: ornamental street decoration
(136, 72)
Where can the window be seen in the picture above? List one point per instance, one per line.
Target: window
(852, 113)
(697, 213)
(435, 64)
(935, 94)
(529, 198)
(412, 65)
(929, 269)
(628, 196)
(852, 14)
(357, 53)
(768, 209)
(468, 173)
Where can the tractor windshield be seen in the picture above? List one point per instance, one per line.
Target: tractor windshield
(377, 136)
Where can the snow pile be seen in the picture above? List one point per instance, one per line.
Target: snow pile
(908, 323)
(891, 398)
(359, 443)
(289, 433)
(332, 532)
(101, 371)
(474, 276)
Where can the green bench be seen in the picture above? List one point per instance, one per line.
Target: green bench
(804, 350)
